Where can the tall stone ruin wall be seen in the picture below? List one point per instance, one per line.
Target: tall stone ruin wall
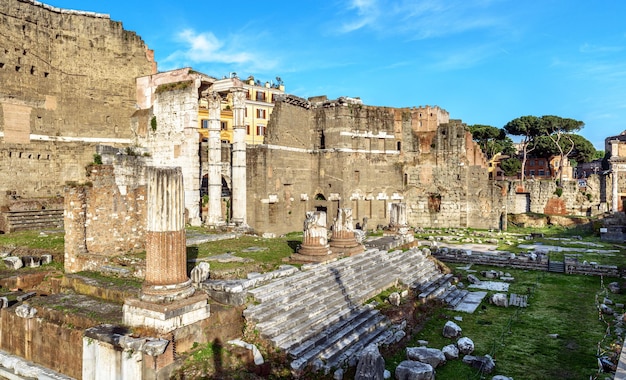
(68, 83)
(365, 158)
(108, 217)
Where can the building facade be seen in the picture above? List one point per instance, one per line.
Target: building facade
(260, 99)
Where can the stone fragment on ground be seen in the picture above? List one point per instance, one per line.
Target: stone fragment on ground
(432, 356)
(485, 364)
(465, 345)
(394, 299)
(13, 262)
(470, 303)
(473, 279)
(371, 364)
(25, 311)
(451, 330)
(499, 299)
(412, 370)
(496, 286)
(200, 272)
(451, 352)
(518, 300)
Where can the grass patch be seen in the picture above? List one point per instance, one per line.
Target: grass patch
(518, 339)
(53, 241)
(271, 253)
(122, 282)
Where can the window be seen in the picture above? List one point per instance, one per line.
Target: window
(260, 96)
(532, 172)
(247, 129)
(248, 94)
(245, 112)
(260, 113)
(205, 124)
(274, 98)
(542, 173)
(224, 125)
(260, 130)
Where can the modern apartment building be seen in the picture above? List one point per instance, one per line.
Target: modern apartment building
(260, 101)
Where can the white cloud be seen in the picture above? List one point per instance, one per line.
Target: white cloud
(206, 47)
(588, 48)
(421, 19)
(366, 14)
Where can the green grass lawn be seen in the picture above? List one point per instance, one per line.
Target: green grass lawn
(53, 240)
(275, 252)
(518, 338)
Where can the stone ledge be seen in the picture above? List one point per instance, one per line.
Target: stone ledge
(166, 317)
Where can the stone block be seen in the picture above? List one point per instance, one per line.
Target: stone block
(13, 262)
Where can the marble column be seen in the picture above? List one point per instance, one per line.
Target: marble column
(343, 241)
(614, 192)
(214, 217)
(166, 255)
(239, 158)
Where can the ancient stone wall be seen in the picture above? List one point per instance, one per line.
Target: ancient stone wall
(68, 83)
(167, 126)
(541, 197)
(43, 342)
(366, 158)
(108, 217)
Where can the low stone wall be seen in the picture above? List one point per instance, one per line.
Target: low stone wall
(40, 341)
(532, 261)
(497, 259)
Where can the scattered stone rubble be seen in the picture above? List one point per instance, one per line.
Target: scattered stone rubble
(17, 262)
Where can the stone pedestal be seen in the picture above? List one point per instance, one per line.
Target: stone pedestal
(315, 247)
(166, 317)
(343, 241)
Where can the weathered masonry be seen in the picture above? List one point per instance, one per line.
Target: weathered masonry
(67, 84)
(323, 155)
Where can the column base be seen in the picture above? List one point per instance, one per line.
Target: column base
(166, 293)
(166, 317)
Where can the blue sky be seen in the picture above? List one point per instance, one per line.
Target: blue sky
(484, 61)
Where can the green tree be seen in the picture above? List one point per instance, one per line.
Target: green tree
(560, 130)
(528, 127)
(511, 166)
(492, 140)
(599, 155)
(579, 148)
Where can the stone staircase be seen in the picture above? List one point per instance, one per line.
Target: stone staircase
(318, 317)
